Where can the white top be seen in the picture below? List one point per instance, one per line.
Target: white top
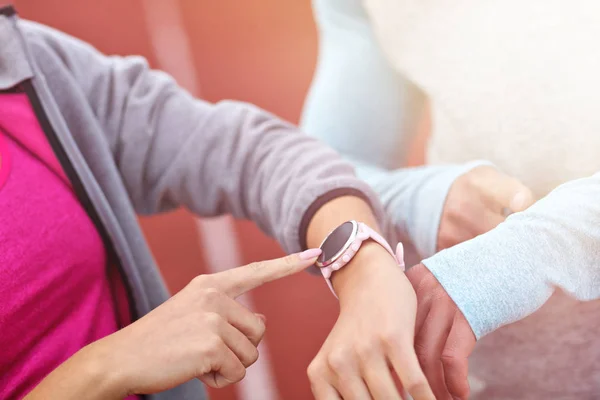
(516, 82)
(513, 82)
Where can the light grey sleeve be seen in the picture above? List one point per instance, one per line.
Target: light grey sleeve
(508, 273)
(175, 150)
(361, 107)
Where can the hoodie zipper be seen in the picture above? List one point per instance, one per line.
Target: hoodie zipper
(82, 195)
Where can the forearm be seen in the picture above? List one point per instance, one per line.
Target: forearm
(173, 150)
(355, 93)
(83, 376)
(508, 273)
(414, 198)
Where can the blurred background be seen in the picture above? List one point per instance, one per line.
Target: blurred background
(259, 51)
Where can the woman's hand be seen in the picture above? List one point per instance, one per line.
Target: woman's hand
(373, 336)
(477, 202)
(201, 332)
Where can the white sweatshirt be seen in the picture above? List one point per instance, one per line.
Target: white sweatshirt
(513, 82)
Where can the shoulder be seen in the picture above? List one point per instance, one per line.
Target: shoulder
(39, 36)
(55, 51)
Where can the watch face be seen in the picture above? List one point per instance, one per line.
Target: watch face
(336, 243)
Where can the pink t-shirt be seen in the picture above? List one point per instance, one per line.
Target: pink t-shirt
(55, 295)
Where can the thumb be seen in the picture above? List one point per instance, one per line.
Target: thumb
(507, 195)
(237, 281)
(521, 200)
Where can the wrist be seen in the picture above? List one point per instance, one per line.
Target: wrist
(85, 375)
(98, 367)
(370, 261)
(335, 213)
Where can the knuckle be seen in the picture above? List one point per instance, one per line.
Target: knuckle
(289, 261)
(366, 349)
(459, 206)
(469, 179)
(453, 212)
(202, 281)
(470, 182)
(210, 296)
(391, 339)
(256, 266)
(427, 288)
(338, 361)
(213, 321)
(212, 347)
(449, 360)
(316, 370)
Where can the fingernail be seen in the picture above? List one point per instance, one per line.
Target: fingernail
(518, 202)
(262, 317)
(400, 255)
(310, 254)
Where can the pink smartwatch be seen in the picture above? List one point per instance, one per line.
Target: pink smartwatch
(342, 244)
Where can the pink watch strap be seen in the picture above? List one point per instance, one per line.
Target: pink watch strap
(364, 233)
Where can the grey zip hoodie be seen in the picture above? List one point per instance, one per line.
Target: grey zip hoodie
(132, 141)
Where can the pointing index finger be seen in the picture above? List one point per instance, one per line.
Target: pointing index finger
(238, 281)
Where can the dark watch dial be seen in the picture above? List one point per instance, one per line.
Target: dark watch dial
(336, 243)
